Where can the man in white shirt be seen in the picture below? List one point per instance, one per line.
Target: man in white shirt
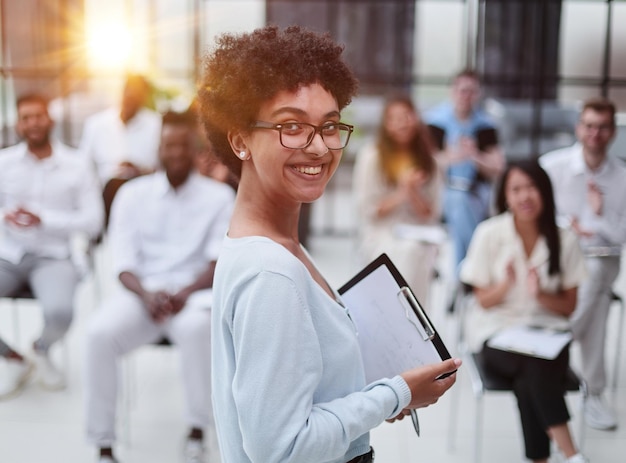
(590, 188)
(123, 142)
(47, 193)
(165, 232)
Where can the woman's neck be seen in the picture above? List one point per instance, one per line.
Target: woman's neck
(255, 217)
(528, 231)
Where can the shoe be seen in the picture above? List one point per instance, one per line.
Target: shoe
(49, 375)
(598, 415)
(578, 458)
(14, 376)
(195, 451)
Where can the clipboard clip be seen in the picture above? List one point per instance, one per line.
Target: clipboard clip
(428, 332)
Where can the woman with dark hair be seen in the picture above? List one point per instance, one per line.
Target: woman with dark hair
(396, 182)
(525, 271)
(288, 380)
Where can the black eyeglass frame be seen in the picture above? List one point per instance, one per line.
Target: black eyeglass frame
(316, 129)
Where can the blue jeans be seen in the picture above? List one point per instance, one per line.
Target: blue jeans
(463, 211)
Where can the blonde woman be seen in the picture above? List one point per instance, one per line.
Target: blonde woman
(396, 182)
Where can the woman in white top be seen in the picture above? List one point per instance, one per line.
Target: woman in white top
(396, 181)
(524, 270)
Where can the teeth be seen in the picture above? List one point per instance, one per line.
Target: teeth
(309, 170)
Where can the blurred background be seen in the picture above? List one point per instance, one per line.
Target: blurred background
(538, 59)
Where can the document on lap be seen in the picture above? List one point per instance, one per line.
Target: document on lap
(535, 342)
(394, 332)
(433, 234)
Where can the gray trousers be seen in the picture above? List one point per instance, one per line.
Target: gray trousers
(53, 282)
(589, 321)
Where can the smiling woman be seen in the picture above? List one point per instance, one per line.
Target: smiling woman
(525, 271)
(287, 376)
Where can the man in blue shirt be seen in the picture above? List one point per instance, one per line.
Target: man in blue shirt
(470, 158)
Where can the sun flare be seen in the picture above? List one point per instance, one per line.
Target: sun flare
(109, 46)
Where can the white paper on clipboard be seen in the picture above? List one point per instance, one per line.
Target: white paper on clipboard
(535, 342)
(394, 334)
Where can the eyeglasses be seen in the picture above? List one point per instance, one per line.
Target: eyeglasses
(599, 127)
(299, 135)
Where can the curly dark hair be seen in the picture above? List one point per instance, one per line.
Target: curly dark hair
(246, 70)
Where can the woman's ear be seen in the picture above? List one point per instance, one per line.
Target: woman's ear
(237, 143)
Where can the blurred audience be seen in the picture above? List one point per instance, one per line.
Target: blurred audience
(396, 181)
(165, 233)
(590, 187)
(524, 270)
(48, 193)
(123, 141)
(470, 157)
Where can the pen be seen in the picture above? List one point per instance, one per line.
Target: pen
(416, 421)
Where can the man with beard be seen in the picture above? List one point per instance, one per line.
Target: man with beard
(48, 193)
(589, 189)
(165, 233)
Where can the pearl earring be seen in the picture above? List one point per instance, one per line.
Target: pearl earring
(242, 154)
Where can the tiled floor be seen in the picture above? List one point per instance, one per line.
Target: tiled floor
(42, 427)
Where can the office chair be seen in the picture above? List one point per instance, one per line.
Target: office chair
(484, 381)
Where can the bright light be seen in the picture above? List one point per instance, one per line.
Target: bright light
(109, 46)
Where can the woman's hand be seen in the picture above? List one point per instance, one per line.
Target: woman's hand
(424, 385)
(532, 282)
(400, 416)
(493, 295)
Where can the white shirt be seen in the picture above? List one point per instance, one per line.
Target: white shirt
(61, 189)
(494, 244)
(168, 237)
(570, 175)
(108, 141)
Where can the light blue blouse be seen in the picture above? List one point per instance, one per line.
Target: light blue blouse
(287, 376)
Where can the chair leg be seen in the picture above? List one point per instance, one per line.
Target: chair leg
(618, 347)
(582, 428)
(16, 323)
(454, 408)
(478, 435)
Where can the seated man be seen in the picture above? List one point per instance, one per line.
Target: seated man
(470, 158)
(122, 142)
(165, 231)
(47, 193)
(589, 189)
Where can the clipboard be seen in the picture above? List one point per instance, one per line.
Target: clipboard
(486, 137)
(532, 341)
(394, 332)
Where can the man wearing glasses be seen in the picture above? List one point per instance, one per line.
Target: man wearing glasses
(589, 188)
